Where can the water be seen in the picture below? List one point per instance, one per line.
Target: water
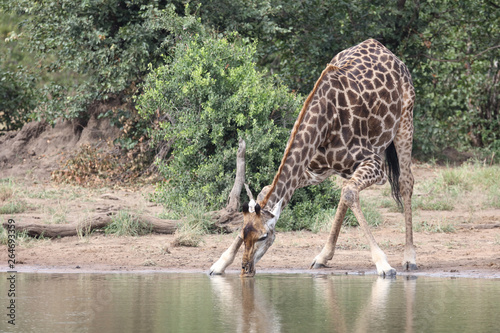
(167, 302)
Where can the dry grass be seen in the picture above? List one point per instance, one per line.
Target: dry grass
(188, 235)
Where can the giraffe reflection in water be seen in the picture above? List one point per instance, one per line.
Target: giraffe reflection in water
(251, 306)
(245, 305)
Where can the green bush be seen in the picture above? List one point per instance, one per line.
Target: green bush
(108, 43)
(309, 204)
(207, 97)
(17, 98)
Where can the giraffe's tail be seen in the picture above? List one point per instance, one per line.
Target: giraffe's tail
(392, 171)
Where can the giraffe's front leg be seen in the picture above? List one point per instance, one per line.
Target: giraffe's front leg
(328, 250)
(351, 194)
(226, 258)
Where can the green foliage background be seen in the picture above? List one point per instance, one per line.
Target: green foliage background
(211, 94)
(200, 86)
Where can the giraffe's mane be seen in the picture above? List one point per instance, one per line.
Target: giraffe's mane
(295, 129)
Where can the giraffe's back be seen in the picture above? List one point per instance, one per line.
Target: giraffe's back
(369, 96)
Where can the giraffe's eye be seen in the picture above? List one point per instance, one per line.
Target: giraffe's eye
(263, 237)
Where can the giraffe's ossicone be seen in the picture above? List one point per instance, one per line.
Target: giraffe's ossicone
(357, 123)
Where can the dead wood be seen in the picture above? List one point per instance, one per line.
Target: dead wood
(479, 226)
(230, 219)
(234, 196)
(96, 222)
(226, 220)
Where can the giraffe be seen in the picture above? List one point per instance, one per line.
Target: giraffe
(359, 113)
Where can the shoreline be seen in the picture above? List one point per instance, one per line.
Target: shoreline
(435, 273)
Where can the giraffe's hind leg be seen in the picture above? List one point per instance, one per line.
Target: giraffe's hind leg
(403, 144)
(406, 188)
(369, 172)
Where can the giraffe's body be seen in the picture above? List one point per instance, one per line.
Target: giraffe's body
(360, 108)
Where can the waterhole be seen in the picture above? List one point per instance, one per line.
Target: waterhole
(168, 302)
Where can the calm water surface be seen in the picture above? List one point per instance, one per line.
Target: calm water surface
(167, 302)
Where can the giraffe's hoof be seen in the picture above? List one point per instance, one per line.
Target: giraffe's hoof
(388, 273)
(317, 265)
(408, 266)
(217, 268)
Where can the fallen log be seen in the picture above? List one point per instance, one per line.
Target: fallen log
(479, 226)
(226, 220)
(96, 222)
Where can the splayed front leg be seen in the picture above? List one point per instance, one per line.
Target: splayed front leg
(409, 261)
(226, 258)
(329, 249)
(378, 256)
(368, 173)
(380, 260)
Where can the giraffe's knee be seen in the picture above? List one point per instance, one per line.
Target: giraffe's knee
(349, 194)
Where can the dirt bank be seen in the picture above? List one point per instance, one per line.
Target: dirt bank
(448, 241)
(463, 250)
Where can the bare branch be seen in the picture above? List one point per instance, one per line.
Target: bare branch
(249, 193)
(234, 196)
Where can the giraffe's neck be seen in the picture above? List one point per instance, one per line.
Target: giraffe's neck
(307, 139)
(304, 140)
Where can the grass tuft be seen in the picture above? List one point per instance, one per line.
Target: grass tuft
(13, 207)
(195, 224)
(125, 224)
(433, 203)
(188, 235)
(6, 193)
(434, 227)
(22, 238)
(324, 220)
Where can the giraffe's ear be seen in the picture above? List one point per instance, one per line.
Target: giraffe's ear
(274, 215)
(277, 208)
(257, 209)
(245, 208)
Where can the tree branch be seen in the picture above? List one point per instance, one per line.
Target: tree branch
(234, 196)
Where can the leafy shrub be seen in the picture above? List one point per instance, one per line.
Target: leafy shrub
(207, 97)
(108, 43)
(314, 207)
(17, 98)
(17, 82)
(309, 204)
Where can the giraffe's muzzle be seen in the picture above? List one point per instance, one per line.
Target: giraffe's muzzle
(247, 269)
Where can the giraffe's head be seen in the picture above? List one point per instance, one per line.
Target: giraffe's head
(258, 234)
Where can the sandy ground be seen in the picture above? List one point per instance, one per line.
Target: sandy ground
(465, 252)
